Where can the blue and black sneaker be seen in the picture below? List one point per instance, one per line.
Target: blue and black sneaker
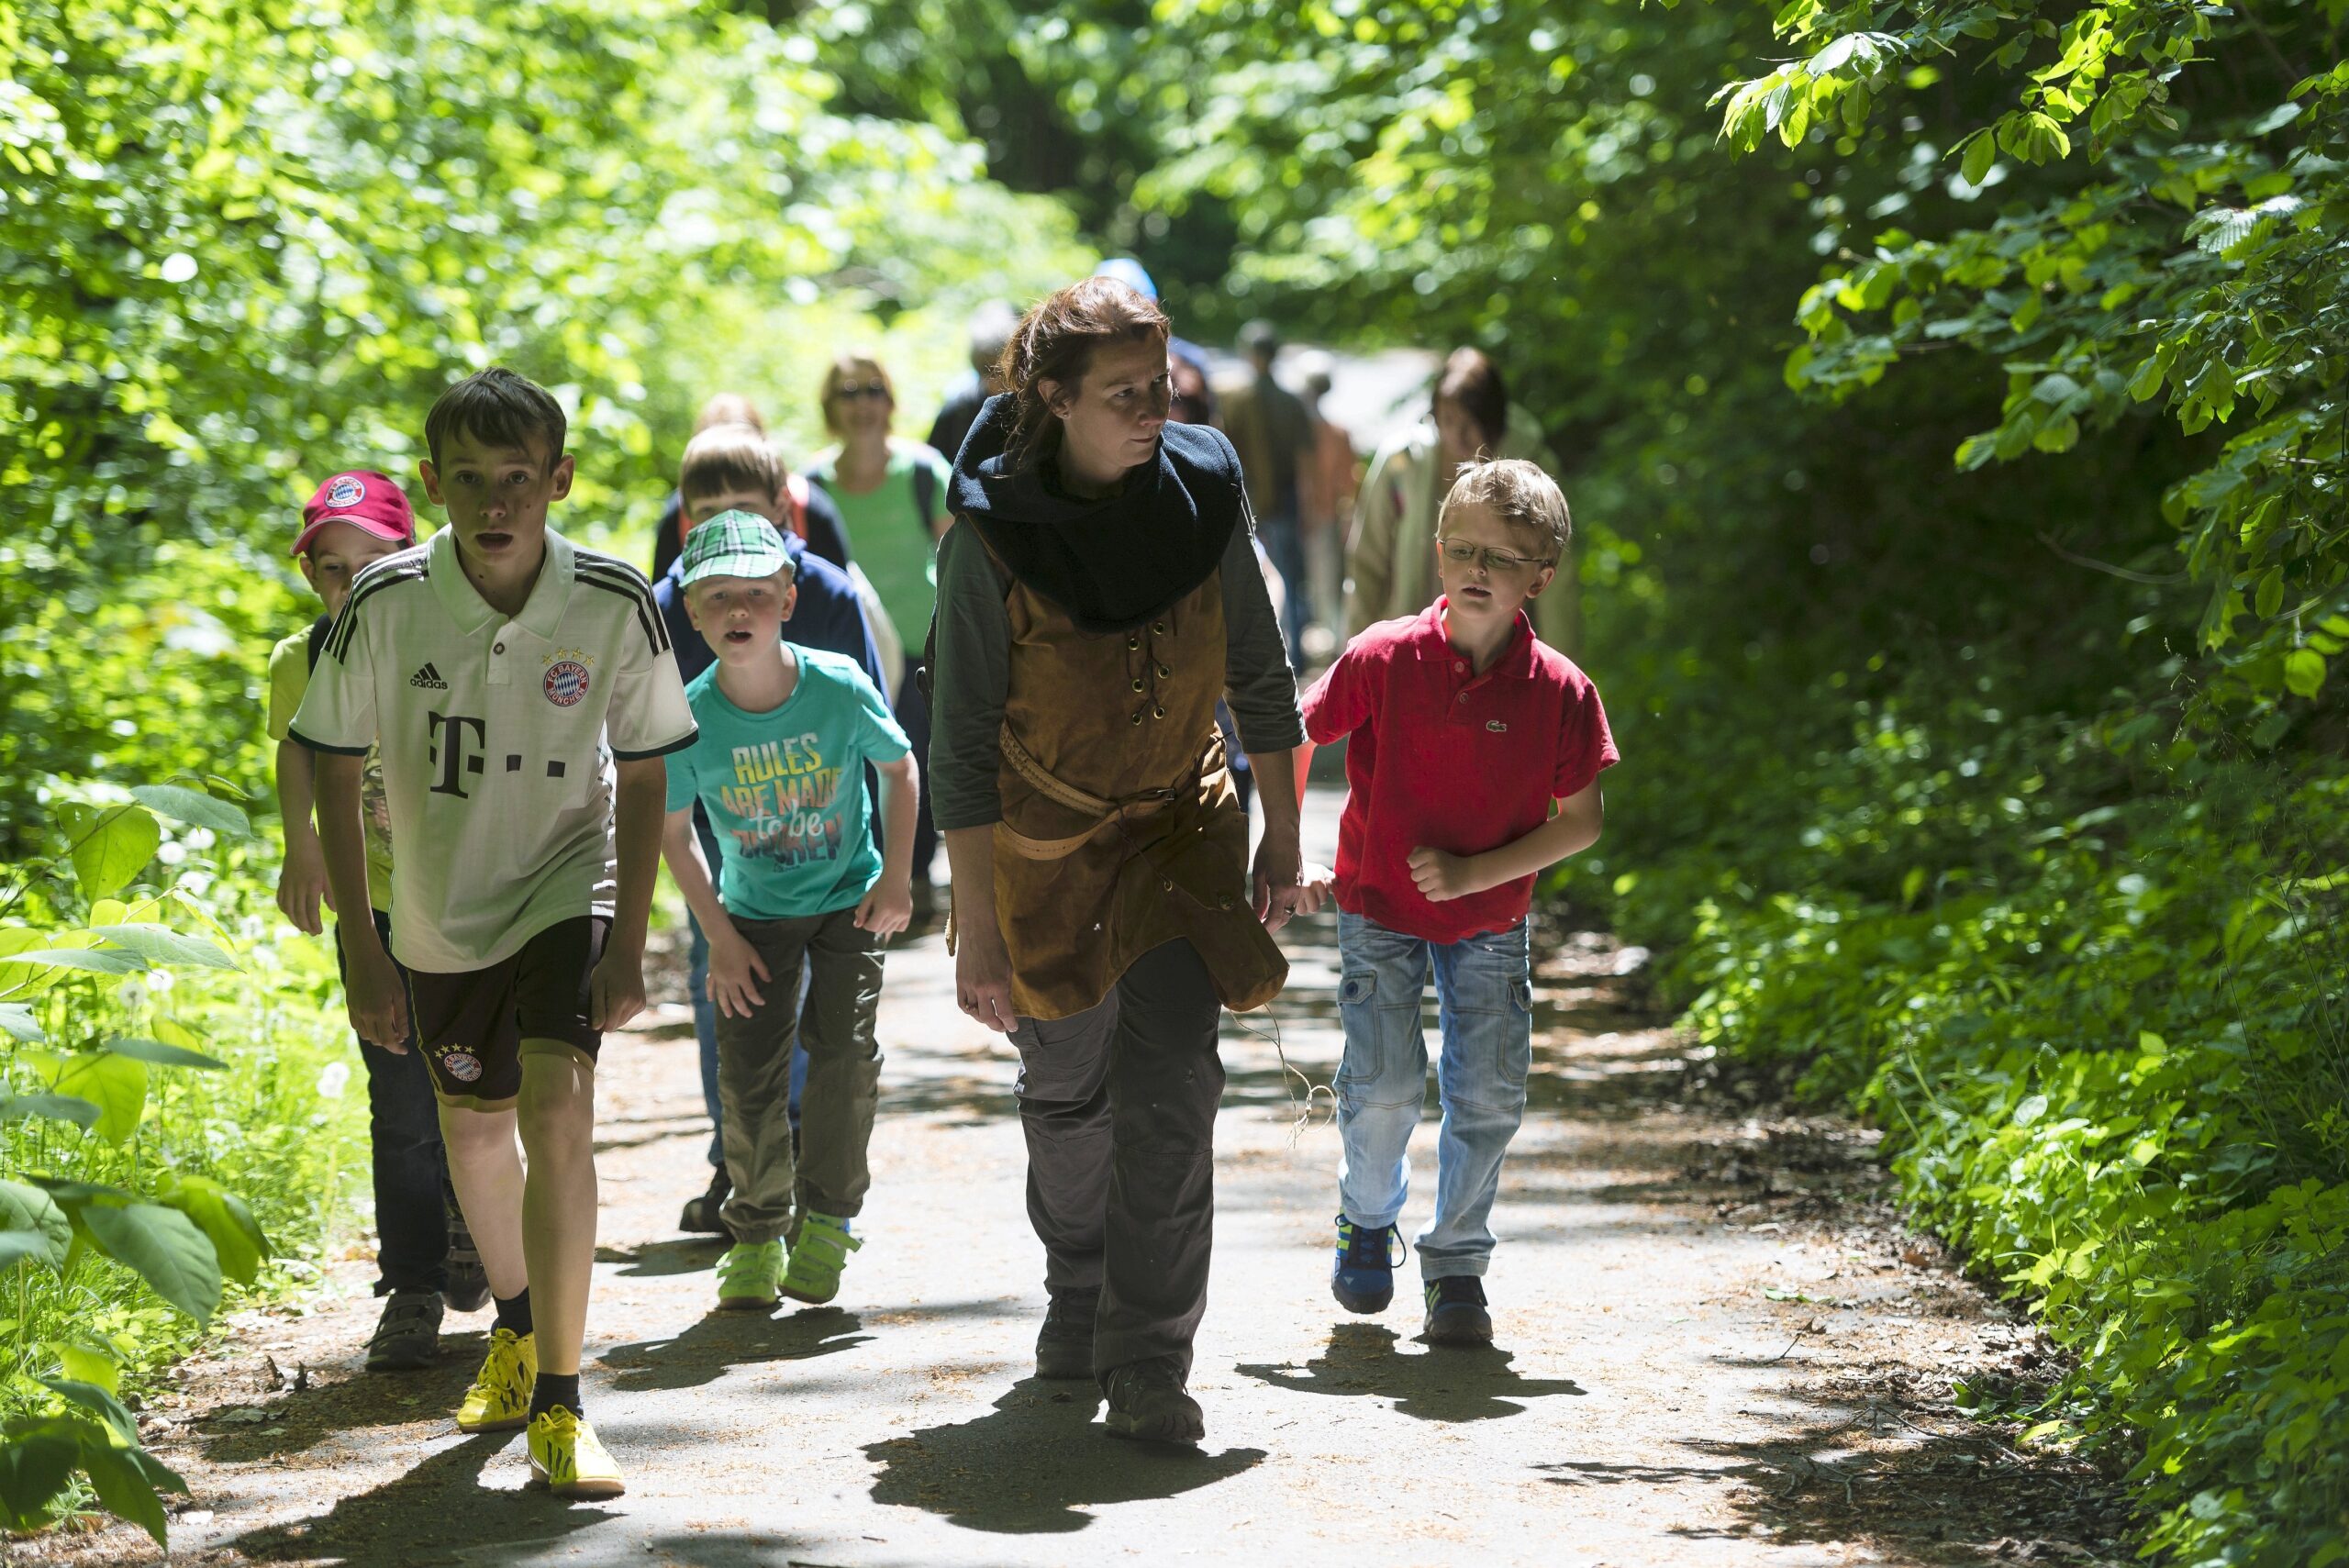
(1456, 1314)
(1362, 1279)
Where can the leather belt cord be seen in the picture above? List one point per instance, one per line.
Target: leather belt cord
(1108, 813)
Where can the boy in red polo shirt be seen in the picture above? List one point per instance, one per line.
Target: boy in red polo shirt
(1465, 728)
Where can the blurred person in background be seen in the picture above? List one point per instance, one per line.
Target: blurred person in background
(1273, 433)
(811, 517)
(1390, 558)
(892, 494)
(1326, 486)
(991, 327)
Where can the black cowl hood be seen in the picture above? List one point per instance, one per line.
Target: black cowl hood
(1114, 562)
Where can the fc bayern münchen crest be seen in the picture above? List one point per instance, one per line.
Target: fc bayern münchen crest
(566, 682)
(345, 491)
(461, 1065)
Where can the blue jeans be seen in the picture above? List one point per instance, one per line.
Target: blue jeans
(1485, 1002)
(705, 1013)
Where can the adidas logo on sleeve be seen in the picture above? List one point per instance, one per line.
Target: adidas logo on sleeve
(428, 678)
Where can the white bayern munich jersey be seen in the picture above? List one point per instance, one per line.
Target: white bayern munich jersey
(496, 738)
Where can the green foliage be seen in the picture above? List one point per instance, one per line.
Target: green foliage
(244, 245)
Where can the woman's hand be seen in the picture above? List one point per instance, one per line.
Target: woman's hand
(1278, 889)
(734, 963)
(983, 975)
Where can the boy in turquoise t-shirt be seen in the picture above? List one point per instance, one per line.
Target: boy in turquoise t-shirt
(779, 765)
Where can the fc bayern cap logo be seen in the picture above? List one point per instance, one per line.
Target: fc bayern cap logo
(346, 492)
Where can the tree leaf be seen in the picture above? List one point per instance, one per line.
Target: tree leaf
(123, 1491)
(115, 1084)
(16, 1246)
(196, 808)
(16, 1022)
(160, 944)
(98, 1400)
(111, 844)
(97, 961)
(28, 1210)
(165, 1249)
(34, 1466)
(223, 1217)
(162, 1055)
(2304, 671)
(52, 1107)
(81, 1361)
(1981, 152)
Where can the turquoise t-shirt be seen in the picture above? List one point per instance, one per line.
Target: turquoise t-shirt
(786, 788)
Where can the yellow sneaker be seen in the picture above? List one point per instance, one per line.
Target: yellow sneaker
(499, 1399)
(565, 1456)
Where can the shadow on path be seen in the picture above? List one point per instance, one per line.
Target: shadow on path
(712, 1344)
(1447, 1383)
(437, 1512)
(1035, 1465)
(659, 1259)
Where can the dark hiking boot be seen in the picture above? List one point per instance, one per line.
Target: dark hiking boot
(407, 1337)
(1456, 1314)
(1147, 1402)
(468, 1286)
(1363, 1277)
(1064, 1344)
(701, 1213)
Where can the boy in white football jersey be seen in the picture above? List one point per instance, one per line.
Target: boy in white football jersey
(522, 694)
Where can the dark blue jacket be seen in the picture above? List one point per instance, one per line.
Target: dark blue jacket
(827, 615)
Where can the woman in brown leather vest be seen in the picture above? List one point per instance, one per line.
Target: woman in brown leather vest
(1096, 594)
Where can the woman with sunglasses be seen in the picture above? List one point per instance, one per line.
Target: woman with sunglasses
(891, 495)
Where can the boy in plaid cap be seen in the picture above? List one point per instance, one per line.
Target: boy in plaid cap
(425, 1259)
(784, 733)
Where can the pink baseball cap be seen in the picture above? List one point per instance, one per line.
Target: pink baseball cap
(366, 500)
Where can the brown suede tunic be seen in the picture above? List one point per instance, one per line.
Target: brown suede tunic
(1120, 828)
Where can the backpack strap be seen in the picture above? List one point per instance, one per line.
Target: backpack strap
(317, 644)
(795, 490)
(925, 497)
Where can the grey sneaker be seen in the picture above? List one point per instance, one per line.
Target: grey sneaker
(407, 1337)
(1147, 1402)
(1064, 1344)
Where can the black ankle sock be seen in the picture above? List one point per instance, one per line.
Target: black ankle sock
(550, 1391)
(513, 1311)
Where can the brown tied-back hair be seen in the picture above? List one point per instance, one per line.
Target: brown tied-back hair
(1525, 499)
(1055, 342)
(1471, 380)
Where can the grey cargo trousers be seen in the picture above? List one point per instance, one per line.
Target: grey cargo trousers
(1118, 1106)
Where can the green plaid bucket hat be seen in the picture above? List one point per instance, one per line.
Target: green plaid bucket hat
(734, 544)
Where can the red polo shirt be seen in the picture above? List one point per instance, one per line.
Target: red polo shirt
(1450, 758)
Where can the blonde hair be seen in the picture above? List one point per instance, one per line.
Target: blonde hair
(1520, 496)
(848, 368)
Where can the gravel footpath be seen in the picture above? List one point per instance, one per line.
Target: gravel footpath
(1716, 1346)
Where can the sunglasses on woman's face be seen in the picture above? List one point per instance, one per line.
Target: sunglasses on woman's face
(862, 389)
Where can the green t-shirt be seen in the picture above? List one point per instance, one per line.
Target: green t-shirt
(784, 789)
(888, 536)
(289, 677)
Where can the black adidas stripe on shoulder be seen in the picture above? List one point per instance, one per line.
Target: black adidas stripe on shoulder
(618, 577)
(383, 574)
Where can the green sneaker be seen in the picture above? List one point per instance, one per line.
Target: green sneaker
(823, 1247)
(749, 1276)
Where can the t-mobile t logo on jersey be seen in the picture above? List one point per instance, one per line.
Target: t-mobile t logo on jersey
(450, 754)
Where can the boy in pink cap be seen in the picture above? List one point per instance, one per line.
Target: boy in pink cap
(426, 1260)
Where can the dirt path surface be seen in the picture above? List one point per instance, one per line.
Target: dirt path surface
(1715, 1346)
